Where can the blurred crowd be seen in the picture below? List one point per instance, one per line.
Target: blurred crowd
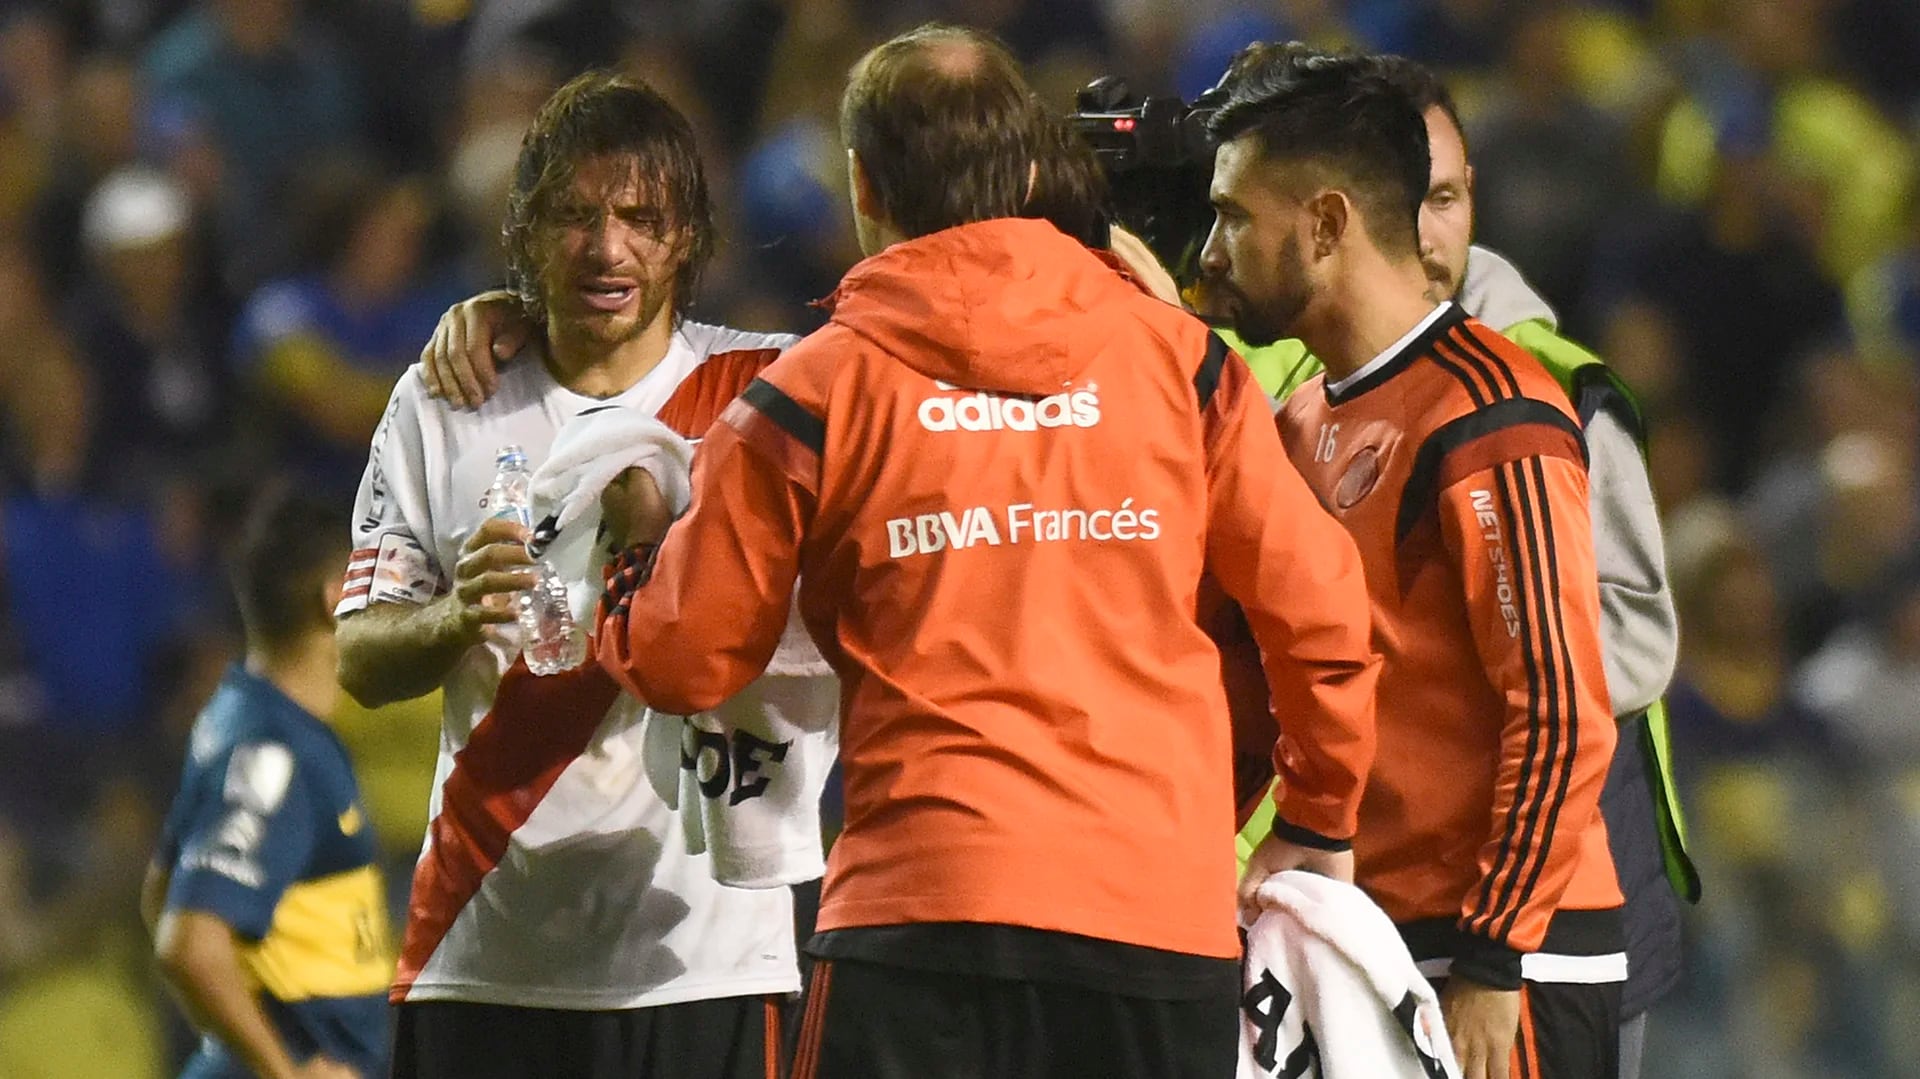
(227, 226)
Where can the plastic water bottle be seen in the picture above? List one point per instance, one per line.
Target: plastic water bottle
(549, 638)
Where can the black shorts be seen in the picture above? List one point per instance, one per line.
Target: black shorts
(874, 1021)
(727, 1038)
(1567, 1031)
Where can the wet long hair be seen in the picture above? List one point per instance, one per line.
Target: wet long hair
(606, 114)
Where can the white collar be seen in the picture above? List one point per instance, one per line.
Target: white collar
(1335, 389)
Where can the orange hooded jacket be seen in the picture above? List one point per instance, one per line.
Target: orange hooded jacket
(998, 475)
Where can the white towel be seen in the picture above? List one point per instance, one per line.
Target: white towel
(1331, 991)
(587, 453)
(746, 777)
(751, 775)
(599, 444)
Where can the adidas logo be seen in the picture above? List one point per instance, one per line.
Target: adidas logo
(984, 411)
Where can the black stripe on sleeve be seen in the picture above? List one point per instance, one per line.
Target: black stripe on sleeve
(1423, 482)
(1556, 633)
(788, 414)
(1455, 359)
(1536, 838)
(1532, 842)
(1206, 381)
(1490, 361)
(1486, 906)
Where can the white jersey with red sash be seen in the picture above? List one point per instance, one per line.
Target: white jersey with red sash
(552, 874)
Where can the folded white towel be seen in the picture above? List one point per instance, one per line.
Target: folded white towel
(747, 776)
(758, 809)
(599, 444)
(1331, 991)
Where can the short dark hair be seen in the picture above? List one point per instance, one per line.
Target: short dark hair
(1263, 54)
(605, 114)
(945, 127)
(1339, 112)
(1422, 87)
(290, 544)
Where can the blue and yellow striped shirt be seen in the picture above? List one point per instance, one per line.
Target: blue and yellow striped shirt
(267, 833)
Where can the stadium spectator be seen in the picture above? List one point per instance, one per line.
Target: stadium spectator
(1834, 512)
(46, 404)
(35, 57)
(321, 350)
(92, 580)
(1544, 185)
(98, 134)
(273, 95)
(1883, 300)
(1741, 288)
(150, 338)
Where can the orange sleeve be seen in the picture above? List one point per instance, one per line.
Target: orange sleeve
(1512, 510)
(702, 621)
(1297, 577)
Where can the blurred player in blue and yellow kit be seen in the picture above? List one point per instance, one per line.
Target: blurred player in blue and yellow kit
(269, 910)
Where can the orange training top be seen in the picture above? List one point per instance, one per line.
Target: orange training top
(998, 475)
(1458, 470)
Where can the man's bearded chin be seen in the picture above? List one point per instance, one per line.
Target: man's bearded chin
(1225, 307)
(1260, 325)
(1257, 332)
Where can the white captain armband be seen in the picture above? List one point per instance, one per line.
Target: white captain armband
(397, 570)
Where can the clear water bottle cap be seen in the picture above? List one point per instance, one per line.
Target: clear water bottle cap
(510, 453)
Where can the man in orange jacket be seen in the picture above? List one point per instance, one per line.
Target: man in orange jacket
(996, 478)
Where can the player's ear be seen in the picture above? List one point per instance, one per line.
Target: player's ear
(866, 197)
(1330, 214)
